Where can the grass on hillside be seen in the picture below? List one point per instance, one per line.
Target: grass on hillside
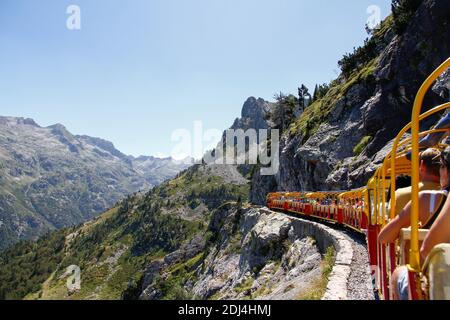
(319, 285)
(318, 112)
(362, 145)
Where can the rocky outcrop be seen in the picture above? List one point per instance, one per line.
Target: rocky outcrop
(442, 86)
(156, 268)
(251, 253)
(259, 254)
(254, 115)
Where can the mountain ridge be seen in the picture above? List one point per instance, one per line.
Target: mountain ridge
(52, 178)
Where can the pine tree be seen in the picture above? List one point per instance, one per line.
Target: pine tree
(403, 11)
(316, 93)
(303, 94)
(283, 112)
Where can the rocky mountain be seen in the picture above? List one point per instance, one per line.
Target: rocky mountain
(337, 143)
(254, 115)
(115, 248)
(195, 236)
(51, 179)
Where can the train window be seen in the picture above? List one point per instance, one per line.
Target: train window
(384, 205)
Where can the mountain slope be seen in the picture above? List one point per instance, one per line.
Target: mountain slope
(114, 249)
(50, 178)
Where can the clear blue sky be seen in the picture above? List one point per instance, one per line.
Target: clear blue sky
(139, 69)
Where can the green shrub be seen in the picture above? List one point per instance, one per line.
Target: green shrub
(25, 266)
(361, 145)
(403, 11)
(318, 112)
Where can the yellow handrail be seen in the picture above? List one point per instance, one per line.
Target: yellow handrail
(414, 260)
(398, 143)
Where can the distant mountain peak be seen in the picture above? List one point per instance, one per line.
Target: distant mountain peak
(254, 107)
(143, 158)
(57, 126)
(104, 145)
(52, 178)
(18, 121)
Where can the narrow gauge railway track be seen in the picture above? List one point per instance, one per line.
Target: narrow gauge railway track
(359, 282)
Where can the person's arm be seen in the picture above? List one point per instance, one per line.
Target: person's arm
(439, 232)
(391, 231)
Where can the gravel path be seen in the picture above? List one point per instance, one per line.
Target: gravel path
(359, 283)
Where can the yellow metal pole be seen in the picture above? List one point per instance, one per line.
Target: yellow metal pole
(377, 199)
(380, 197)
(414, 259)
(383, 194)
(422, 134)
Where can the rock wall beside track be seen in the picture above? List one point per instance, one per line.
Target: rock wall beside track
(350, 277)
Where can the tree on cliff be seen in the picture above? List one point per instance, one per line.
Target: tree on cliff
(283, 113)
(320, 91)
(403, 11)
(304, 97)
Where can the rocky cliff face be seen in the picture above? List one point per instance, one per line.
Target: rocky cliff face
(249, 254)
(254, 115)
(50, 178)
(366, 108)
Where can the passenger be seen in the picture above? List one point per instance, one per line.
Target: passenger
(430, 201)
(429, 179)
(439, 232)
(440, 229)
